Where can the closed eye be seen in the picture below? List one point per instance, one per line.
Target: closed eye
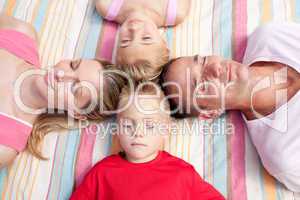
(75, 64)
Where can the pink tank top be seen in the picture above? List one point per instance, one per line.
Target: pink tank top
(20, 45)
(14, 133)
(116, 6)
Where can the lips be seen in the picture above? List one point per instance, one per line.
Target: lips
(136, 144)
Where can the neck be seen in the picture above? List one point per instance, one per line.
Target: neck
(30, 96)
(262, 87)
(142, 160)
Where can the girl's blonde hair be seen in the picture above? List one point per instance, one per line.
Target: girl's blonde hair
(46, 123)
(142, 69)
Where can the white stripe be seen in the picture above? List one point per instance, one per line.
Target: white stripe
(254, 15)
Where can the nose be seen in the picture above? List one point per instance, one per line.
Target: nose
(134, 26)
(64, 76)
(138, 133)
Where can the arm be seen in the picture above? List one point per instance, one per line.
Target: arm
(203, 190)
(182, 11)
(102, 7)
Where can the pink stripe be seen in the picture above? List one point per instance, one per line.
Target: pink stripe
(238, 170)
(85, 155)
(109, 32)
(240, 32)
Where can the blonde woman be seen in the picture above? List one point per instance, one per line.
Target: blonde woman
(19, 55)
(141, 50)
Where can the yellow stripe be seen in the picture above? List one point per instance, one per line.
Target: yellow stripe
(42, 32)
(66, 25)
(293, 10)
(29, 176)
(20, 171)
(269, 186)
(10, 7)
(11, 176)
(266, 11)
(34, 178)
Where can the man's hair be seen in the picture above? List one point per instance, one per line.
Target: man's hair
(172, 103)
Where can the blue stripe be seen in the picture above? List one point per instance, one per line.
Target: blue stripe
(226, 29)
(169, 36)
(40, 18)
(3, 175)
(69, 165)
(220, 155)
(58, 165)
(90, 47)
(205, 152)
(297, 11)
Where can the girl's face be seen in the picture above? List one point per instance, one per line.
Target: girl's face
(139, 39)
(71, 85)
(141, 134)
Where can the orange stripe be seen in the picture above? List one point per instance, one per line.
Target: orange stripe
(293, 10)
(42, 45)
(22, 174)
(266, 11)
(10, 7)
(269, 185)
(12, 176)
(34, 179)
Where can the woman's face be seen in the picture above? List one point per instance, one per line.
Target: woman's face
(71, 85)
(206, 83)
(139, 38)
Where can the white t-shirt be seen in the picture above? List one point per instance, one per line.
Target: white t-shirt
(277, 136)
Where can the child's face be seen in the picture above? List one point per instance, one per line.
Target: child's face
(141, 134)
(139, 39)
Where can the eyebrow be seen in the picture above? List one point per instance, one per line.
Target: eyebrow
(196, 58)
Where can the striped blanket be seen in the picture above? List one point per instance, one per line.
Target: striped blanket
(223, 155)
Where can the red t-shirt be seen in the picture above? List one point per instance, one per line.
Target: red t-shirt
(164, 178)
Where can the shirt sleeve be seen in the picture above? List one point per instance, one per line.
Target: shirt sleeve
(203, 190)
(88, 189)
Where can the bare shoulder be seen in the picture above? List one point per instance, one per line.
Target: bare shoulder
(183, 10)
(9, 22)
(102, 6)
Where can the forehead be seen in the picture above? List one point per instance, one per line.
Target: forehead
(136, 52)
(144, 106)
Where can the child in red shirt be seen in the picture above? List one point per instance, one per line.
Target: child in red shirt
(143, 171)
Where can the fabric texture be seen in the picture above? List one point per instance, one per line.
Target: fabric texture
(222, 153)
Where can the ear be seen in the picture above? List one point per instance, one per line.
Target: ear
(79, 116)
(210, 114)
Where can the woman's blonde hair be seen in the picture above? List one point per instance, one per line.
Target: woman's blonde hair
(46, 123)
(143, 69)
